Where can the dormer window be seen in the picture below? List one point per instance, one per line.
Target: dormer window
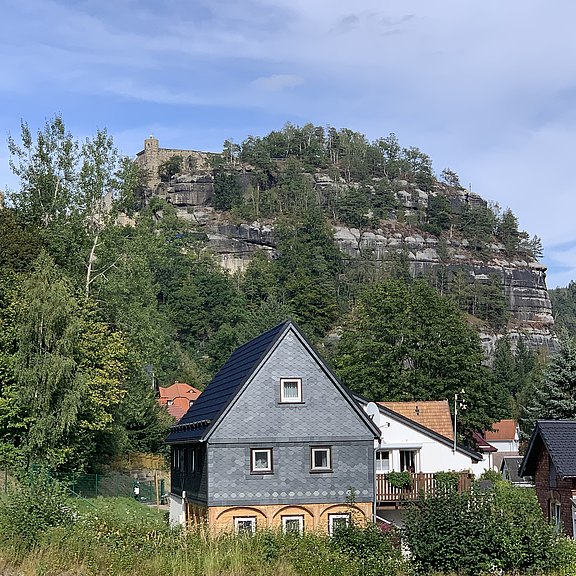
(291, 390)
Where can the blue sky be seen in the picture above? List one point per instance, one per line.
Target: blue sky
(486, 88)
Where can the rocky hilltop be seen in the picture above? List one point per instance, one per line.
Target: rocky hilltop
(522, 277)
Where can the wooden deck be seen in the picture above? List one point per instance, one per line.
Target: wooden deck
(422, 483)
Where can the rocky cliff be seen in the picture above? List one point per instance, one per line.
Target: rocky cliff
(523, 279)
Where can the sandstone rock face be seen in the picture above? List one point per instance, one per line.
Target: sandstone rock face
(188, 190)
(524, 282)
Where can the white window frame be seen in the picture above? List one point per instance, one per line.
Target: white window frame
(241, 519)
(269, 469)
(328, 450)
(340, 516)
(290, 400)
(382, 459)
(557, 515)
(299, 518)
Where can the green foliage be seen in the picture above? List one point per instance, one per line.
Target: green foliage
(373, 549)
(170, 168)
(399, 479)
(227, 191)
(564, 308)
(446, 482)
(30, 508)
(553, 396)
(473, 533)
(405, 342)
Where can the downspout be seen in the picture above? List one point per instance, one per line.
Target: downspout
(374, 516)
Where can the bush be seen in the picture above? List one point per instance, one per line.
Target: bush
(400, 479)
(35, 504)
(501, 528)
(369, 547)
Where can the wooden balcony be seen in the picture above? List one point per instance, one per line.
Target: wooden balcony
(422, 483)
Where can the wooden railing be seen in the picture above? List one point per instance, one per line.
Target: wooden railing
(422, 483)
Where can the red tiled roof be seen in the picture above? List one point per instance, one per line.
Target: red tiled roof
(502, 430)
(177, 398)
(434, 414)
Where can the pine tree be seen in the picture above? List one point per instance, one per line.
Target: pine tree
(554, 396)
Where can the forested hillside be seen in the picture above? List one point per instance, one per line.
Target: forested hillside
(108, 289)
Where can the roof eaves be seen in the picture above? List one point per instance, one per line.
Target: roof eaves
(242, 385)
(424, 429)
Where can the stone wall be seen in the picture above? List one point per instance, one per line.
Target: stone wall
(152, 156)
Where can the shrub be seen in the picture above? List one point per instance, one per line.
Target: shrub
(446, 482)
(35, 504)
(501, 528)
(400, 479)
(369, 547)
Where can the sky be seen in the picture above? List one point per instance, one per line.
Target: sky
(485, 88)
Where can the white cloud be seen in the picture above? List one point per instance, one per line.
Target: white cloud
(277, 82)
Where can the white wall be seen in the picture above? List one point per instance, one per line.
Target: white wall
(433, 455)
(177, 510)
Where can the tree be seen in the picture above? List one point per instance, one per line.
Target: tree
(227, 191)
(507, 231)
(49, 382)
(405, 342)
(46, 166)
(554, 396)
(170, 168)
(69, 371)
(306, 272)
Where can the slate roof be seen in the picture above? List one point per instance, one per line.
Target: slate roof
(223, 388)
(559, 438)
(433, 414)
(511, 465)
(196, 424)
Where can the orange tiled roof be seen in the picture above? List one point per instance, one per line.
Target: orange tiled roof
(434, 414)
(177, 398)
(502, 430)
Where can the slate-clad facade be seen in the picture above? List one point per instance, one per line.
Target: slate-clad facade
(243, 410)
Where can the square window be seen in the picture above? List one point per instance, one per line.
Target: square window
(382, 462)
(245, 525)
(293, 524)
(291, 390)
(261, 460)
(321, 458)
(337, 521)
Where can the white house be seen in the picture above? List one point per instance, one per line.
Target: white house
(416, 437)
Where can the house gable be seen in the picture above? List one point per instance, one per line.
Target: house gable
(559, 439)
(326, 412)
(204, 413)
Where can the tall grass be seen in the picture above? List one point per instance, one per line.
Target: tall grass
(121, 537)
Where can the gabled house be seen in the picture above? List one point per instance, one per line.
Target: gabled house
(551, 460)
(504, 436)
(416, 437)
(275, 440)
(177, 398)
(510, 468)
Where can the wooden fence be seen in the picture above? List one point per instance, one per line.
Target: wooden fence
(423, 483)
